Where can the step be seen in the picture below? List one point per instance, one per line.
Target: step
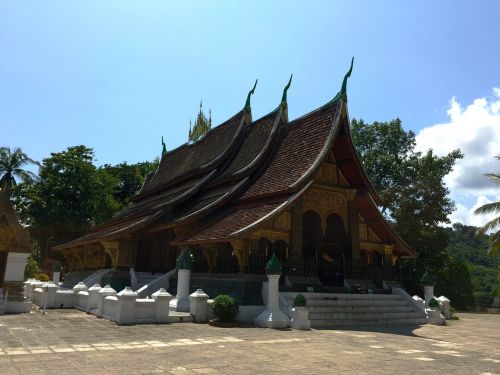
(350, 309)
(332, 303)
(341, 296)
(332, 323)
(363, 315)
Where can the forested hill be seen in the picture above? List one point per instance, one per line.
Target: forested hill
(465, 245)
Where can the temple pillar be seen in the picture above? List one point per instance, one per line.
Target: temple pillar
(240, 249)
(296, 241)
(353, 230)
(210, 253)
(120, 252)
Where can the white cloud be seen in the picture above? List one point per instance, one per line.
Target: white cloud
(475, 130)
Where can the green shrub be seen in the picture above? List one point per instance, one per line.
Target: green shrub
(433, 303)
(299, 301)
(225, 308)
(42, 276)
(32, 268)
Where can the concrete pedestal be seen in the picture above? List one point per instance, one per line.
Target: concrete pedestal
(272, 316)
(300, 318)
(183, 279)
(199, 306)
(126, 306)
(162, 301)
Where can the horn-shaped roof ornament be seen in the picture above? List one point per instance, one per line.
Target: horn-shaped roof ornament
(164, 150)
(283, 98)
(343, 90)
(250, 93)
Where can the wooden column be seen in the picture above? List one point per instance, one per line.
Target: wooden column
(240, 249)
(296, 241)
(353, 230)
(210, 252)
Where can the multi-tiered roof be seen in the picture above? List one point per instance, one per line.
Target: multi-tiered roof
(243, 172)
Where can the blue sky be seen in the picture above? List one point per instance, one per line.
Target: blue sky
(117, 75)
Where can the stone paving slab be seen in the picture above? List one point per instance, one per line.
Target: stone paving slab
(72, 342)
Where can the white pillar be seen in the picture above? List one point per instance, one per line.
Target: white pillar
(103, 293)
(198, 306)
(162, 302)
(50, 290)
(183, 277)
(93, 300)
(428, 294)
(56, 277)
(446, 306)
(272, 317)
(126, 306)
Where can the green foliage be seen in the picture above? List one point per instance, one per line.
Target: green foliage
(472, 249)
(433, 303)
(494, 224)
(225, 308)
(12, 165)
(415, 198)
(185, 260)
(32, 268)
(72, 194)
(42, 276)
(300, 300)
(273, 266)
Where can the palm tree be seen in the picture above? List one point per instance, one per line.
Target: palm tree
(491, 225)
(12, 165)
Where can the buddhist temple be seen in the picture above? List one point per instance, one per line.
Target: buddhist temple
(249, 188)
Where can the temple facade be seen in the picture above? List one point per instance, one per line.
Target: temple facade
(249, 188)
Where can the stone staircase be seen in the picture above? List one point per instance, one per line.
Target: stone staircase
(144, 278)
(347, 310)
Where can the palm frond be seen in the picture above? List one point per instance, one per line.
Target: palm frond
(26, 176)
(488, 208)
(493, 176)
(494, 248)
(490, 225)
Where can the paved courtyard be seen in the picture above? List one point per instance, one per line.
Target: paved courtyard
(69, 341)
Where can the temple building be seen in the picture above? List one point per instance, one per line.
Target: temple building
(248, 188)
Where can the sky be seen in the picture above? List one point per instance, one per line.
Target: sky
(118, 75)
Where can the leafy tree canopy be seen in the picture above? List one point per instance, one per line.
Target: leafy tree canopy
(415, 198)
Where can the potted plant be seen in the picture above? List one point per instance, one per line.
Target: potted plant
(300, 319)
(434, 313)
(225, 309)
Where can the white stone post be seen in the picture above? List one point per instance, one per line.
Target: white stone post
(198, 306)
(93, 300)
(428, 294)
(103, 293)
(80, 287)
(272, 316)
(126, 306)
(162, 303)
(56, 277)
(50, 295)
(446, 306)
(300, 320)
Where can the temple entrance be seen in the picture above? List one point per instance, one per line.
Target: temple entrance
(336, 252)
(3, 265)
(144, 250)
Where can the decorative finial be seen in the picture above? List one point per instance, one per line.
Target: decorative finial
(164, 150)
(283, 99)
(343, 90)
(250, 93)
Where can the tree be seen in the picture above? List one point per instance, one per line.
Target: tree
(72, 194)
(415, 198)
(69, 197)
(494, 224)
(12, 165)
